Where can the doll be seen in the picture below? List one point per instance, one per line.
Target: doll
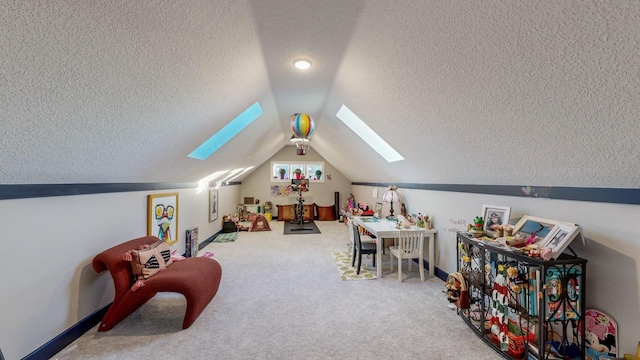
(240, 227)
(351, 203)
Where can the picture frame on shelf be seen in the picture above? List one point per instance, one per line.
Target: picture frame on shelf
(560, 237)
(495, 215)
(213, 205)
(377, 210)
(530, 225)
(162, 216)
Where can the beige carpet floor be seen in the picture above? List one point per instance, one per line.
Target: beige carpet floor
(281, 297)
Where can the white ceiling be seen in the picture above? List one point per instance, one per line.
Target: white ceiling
(485, 92)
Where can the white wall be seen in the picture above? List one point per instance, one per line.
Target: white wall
(258, 184)
(611, 248)
(47, 283)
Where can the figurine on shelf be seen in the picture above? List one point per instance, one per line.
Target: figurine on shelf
(478, 223)
(477, 228)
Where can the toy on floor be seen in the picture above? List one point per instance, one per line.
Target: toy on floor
(236, 220)
(601, 334)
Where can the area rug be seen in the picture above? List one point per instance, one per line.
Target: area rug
(348, 272)
(296, 229)
(226, 237)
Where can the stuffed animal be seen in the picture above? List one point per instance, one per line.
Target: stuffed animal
(452, 287)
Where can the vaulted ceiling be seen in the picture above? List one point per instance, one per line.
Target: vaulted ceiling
(485, 92)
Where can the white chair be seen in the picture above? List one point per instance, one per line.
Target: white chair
(410, 246)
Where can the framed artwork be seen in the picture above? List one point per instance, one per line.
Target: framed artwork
(495, 215)
(213, 205)
(531, 225)
(162, 216)
(377, 210)
(560, 237)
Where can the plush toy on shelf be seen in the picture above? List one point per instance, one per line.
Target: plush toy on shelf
(477, 229)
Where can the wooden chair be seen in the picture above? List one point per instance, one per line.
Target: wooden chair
(352, 244)
(361, 248)
(410, 246)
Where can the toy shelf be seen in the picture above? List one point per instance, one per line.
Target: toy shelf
(524, 307)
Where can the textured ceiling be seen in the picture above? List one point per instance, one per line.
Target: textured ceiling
(490, 92)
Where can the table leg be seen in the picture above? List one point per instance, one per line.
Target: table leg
(379, 247)
(432, 255)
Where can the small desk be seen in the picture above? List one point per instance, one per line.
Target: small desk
(384, 228)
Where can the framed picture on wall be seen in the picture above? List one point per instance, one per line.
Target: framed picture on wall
(162, 216)
(213, 205)
(495, 215)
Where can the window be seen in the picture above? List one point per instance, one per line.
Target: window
(282, 171)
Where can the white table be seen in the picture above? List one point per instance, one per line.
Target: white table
(384, 228)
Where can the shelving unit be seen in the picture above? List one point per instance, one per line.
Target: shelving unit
(533, 311)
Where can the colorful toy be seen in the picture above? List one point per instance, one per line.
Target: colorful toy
(601, 335)
(477, 228)
(478, 222)
(499, 309)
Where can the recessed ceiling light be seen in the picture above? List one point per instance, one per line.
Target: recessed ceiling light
(302, 64)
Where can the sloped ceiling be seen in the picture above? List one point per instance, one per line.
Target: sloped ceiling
(487, 92)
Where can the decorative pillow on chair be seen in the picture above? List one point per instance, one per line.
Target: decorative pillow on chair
(326, 213)
(309, 211)
(148, 261)
(286, 212)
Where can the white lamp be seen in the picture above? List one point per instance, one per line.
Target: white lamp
(391, 196)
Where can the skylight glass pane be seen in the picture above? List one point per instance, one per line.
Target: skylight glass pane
(226, 133)
(368, 135)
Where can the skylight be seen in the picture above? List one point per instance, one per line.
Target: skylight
(227, 132)
(368, 135)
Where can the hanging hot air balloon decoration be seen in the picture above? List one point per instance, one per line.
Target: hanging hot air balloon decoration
(303, 127)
